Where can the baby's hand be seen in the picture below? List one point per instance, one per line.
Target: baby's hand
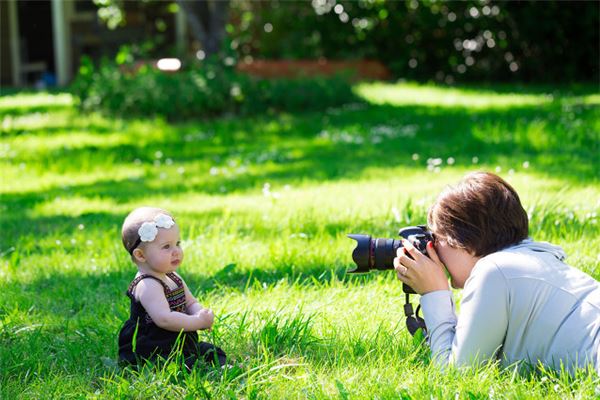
(207, 317)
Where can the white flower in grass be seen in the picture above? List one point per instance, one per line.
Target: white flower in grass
(396, 214)
(147, 232)
(163, 221)
(526, 164)
(266, 189)
(475, 160)
(556, 387)
(450, 161)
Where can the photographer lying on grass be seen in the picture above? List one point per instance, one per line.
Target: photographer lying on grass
(521, 302)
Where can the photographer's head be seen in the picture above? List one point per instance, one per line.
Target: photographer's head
(479, 216)
(482, 214)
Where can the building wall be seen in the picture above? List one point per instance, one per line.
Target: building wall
(84, 35)
(5, 64)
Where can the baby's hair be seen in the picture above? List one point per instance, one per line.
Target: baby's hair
(132, 223)
(482, 214)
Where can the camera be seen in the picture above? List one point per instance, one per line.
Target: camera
(379, 253)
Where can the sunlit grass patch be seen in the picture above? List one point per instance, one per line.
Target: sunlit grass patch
(28, 101)
(427, 95)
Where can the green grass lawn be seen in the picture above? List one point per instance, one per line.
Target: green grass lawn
(264, 205)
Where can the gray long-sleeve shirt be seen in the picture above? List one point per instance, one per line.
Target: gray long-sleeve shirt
(519, 304)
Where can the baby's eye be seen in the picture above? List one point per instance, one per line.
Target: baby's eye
(179, 244)
(166, 246)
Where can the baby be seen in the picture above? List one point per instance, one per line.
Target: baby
(164, 313)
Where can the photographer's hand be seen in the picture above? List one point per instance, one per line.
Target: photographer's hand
(424, 274)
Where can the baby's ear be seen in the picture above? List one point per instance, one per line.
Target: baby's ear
(138, 255)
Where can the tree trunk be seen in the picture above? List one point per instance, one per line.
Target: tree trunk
(207, 22)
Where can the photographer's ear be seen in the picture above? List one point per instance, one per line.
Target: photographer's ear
(138, 255)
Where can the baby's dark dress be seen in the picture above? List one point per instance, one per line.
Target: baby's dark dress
(152, 341)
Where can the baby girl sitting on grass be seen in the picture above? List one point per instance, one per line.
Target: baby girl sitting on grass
(164, 313)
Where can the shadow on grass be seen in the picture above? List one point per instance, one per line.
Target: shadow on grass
(318, 148)
(294, 149)
(355, 139)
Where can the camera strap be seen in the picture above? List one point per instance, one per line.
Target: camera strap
(414, 322)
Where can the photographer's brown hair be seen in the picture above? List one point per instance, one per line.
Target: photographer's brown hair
(482, 214)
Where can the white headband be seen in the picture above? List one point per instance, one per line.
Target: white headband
(149, 230)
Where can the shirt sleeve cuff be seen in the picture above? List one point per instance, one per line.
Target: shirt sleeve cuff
(437, 307)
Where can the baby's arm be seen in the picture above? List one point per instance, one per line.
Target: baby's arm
(191, 302)
(151, 294)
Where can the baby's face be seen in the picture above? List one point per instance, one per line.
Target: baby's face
(164, 253)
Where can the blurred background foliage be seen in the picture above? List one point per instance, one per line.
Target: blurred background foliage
(445, 41)
(213, 90)
(433, 41)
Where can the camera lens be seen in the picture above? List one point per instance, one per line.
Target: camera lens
(384, 253)
(378, 253)
(362, 253)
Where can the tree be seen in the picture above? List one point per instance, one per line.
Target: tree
(207, 21)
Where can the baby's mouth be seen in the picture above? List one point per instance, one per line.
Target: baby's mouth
(175, 262)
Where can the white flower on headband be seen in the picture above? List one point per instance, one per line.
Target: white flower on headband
(147, 231)
(164, 221)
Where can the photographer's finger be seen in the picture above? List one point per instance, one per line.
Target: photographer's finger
(412, 250)
(407, 261)
(401, 273)
(400, 269)
(433, 254)
(398, 265)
